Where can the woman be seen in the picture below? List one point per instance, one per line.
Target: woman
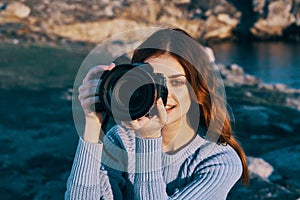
(186, 151)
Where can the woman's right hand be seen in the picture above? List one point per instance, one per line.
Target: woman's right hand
(87, 97)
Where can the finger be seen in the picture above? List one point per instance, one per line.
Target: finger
(88, 102)
(143, 121)
(132, 124)
(95, 70)
(161, 111)
(88, 84)
(88, 92)
(111, 66)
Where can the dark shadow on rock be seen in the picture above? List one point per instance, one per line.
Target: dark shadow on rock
(292, 33)
(260, 189)
(248, 18)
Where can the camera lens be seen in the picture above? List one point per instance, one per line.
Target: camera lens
(122, 90)
(142, 100)
(128, 92)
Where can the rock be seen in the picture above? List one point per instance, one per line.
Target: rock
(225, 18)
(207, 21)
(285, 161)
(261, 189)
(298, 19)
(109, 11)
(266, 86)
(280, 87)
(251, 80)
(234, 75)
(94, 32)
(16, 9)
(219, 27)
(179, 2)
(293, 102)
(236, 69)
(248, 94)
(173, 12)
(194, 26)
(47, 190)
(258, 6)
(284, 127)
(279, 18)
(260, 119)
(259, 167)
(150, 11)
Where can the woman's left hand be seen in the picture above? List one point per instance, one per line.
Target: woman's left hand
(149, 127)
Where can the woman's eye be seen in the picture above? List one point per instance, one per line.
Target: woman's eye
(177, 82)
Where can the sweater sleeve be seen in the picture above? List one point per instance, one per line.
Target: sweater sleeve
(88, 178)
(148, 180)
(213, 176)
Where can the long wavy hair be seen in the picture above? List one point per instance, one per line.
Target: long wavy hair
(200, 76)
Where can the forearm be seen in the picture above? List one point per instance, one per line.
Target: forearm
(92, 129)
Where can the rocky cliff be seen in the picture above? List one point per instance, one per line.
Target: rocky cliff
(54, 21)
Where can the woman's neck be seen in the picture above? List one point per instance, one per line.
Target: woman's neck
(176, 135)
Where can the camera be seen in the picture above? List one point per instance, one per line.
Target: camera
(130, 91)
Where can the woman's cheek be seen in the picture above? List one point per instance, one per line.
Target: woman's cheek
(183, 98)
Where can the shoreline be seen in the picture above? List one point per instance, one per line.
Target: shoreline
(250, 88)
(63, 22)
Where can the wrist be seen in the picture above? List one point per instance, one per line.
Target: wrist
(148, 135)
(92, 129)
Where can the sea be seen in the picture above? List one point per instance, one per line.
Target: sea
(271, 62)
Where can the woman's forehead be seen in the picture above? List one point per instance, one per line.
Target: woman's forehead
(166, 64)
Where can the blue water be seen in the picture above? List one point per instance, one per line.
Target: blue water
(42, 67)
(272, 62)
(37, 67)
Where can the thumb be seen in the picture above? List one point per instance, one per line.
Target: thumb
(161, 111)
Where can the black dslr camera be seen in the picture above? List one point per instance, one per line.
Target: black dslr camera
(130, 91)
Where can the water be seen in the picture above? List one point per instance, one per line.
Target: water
(38, 137)
(272, 62)
(36, 67)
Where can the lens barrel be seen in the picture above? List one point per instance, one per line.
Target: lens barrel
(129, 91)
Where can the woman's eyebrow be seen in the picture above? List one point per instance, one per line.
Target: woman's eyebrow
(176, 75)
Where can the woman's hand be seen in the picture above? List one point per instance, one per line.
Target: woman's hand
(87, 97)
(149, 127)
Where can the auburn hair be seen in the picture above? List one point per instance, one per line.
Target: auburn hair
(203, 79)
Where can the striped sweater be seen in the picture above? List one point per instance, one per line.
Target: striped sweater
(127, 167)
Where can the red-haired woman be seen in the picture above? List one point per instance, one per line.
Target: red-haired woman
(186, 151)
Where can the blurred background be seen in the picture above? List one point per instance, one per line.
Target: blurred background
(44, 42)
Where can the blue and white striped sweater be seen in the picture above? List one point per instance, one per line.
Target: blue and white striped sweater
(128, 167)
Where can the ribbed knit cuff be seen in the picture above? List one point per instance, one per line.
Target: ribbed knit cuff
(148, 158)
(86, 163)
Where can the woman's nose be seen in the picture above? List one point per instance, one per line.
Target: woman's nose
(170, 94)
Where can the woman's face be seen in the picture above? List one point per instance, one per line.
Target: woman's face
(179, 99)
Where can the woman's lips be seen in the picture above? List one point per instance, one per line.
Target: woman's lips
(169, 107)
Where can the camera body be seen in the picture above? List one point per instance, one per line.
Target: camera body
(130, 91)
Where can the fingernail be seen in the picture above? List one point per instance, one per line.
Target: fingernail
(159, 101)
(112, 65)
